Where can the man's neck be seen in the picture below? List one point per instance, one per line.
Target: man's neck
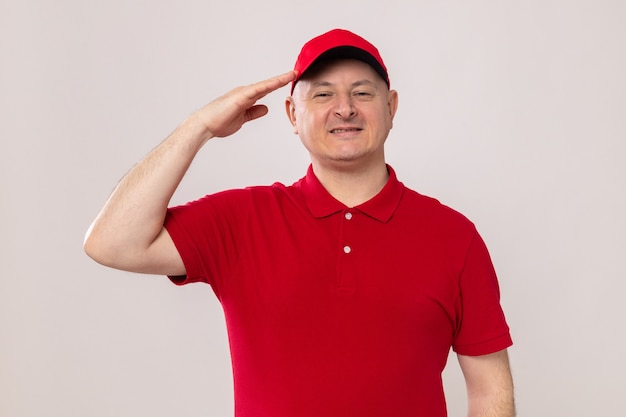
(352, 186)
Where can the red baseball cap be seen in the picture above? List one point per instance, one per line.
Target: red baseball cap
(338, 44)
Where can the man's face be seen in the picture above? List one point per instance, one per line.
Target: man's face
(343, 112)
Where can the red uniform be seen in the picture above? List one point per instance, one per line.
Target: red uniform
(341, 312)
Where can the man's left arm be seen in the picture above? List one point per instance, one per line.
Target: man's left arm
(489, 385)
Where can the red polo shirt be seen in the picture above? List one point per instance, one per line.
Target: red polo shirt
(335, 311)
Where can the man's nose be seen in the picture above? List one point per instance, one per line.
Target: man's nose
(345, 106)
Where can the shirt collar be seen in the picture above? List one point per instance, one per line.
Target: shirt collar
(380, 207)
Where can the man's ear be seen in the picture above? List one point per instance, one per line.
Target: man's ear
(290, 108)
(392, 103)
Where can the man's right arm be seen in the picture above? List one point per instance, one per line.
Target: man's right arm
(128, 232)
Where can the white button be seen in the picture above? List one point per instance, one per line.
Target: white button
(347, 249)
(348, 216)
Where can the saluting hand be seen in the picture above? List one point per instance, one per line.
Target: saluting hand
(128, 233)
(225, 115)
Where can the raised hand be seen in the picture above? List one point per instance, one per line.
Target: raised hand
(128, 233)
(225, 115)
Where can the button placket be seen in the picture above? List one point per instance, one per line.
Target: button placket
(348, 216)
(347, 278)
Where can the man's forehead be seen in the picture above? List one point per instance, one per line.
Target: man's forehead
(326, 83)
(353, 70)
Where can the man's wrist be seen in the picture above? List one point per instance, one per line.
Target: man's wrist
(195, 131)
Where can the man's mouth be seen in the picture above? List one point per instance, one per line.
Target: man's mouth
(346, 130)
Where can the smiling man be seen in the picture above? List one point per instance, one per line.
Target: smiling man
(344, 292)
(343, 111)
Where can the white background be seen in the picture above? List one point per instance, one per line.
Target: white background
(514, 113)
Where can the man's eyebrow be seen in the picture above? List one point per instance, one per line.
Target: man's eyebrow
(321, 84)
(363, 82)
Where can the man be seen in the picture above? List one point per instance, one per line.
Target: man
(344, 292)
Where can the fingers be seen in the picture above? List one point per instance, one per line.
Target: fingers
(255, 112)
(225, 115)
(260, 89)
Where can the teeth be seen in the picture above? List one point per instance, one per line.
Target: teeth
(344, 130)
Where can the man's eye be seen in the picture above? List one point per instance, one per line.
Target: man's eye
(321, 94)
(363, 94)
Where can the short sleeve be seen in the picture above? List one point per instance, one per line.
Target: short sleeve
(482, 326)
(205, 233)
